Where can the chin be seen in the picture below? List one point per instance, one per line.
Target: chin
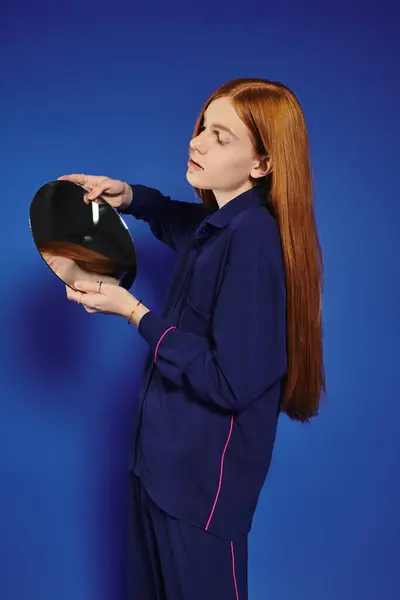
(196, 180)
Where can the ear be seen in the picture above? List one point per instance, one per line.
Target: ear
(262, 167)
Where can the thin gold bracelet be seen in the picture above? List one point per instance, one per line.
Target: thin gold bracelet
(130, 317)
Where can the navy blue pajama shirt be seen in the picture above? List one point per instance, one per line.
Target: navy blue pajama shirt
(210, 393)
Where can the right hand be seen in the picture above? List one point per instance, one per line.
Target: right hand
(117, 193)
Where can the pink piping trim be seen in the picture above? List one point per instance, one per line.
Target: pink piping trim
(220, 474)
(159, 341)
(234, 572)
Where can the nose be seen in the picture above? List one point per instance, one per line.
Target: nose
(194, 144)
(198, 143)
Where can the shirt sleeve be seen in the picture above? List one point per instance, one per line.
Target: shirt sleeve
(171, 221)
(247, 350)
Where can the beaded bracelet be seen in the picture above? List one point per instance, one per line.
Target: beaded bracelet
(130, 317)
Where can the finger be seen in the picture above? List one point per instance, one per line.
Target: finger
(89, 286)
(90, 310)
(89, 301)
(75, 295)
(85, 299)
(78, 178)
(98, 190)
(81, 179)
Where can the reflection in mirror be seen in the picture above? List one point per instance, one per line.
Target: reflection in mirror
(70, 270)
(80, 241)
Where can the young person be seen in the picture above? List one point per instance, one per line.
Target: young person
(239, 339)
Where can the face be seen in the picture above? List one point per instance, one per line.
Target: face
(227, 156)
(65, 268)
(68, 271)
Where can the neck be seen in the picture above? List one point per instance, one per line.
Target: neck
(224, 196)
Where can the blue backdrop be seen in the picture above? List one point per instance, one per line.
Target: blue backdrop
(115, 91)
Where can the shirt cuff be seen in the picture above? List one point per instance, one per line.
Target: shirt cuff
(151, 328)
(139, 201)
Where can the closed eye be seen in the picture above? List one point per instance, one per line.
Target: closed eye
(218, 138)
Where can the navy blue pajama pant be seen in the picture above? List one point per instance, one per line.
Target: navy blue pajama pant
(172, 560)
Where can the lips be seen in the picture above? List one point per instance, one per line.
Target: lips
(196, 163)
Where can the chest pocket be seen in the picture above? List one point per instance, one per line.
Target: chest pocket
(195, 320)
(202, 289)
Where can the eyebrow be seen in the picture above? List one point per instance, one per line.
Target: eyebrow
(223, 127)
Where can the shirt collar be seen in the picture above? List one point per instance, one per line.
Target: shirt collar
(221, 217)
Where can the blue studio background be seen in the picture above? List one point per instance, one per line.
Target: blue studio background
(115, 90)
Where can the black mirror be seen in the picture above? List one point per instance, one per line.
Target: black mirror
(80, 241)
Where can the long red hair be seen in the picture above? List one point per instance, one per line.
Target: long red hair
(86, 259)
(277, 126)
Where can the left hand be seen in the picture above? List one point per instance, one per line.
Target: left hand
(112, 299)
